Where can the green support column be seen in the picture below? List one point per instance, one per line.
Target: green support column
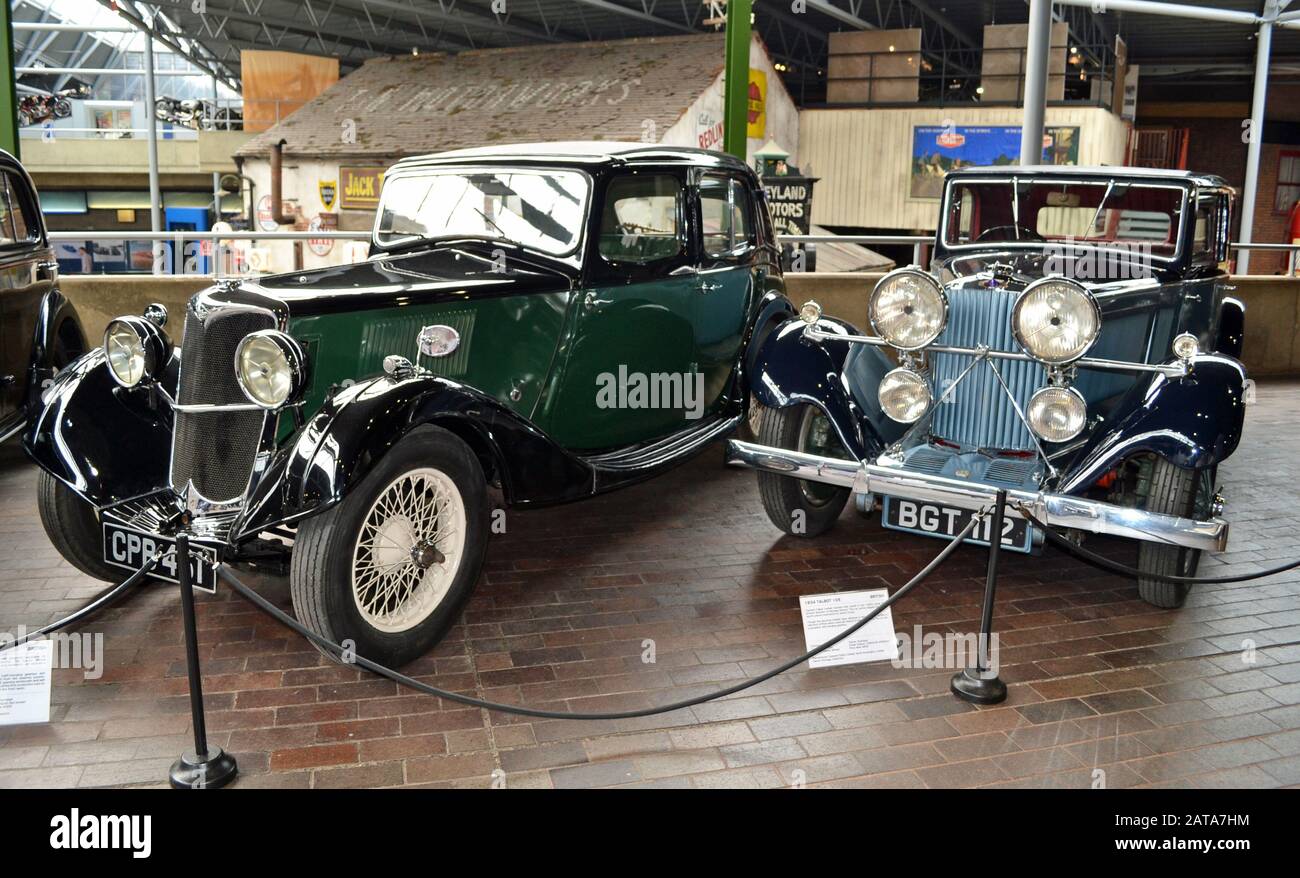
(735, 119)
(8, 94)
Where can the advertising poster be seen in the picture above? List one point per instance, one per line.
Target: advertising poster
(938, 149)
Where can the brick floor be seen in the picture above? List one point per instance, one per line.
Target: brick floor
(1207, 696)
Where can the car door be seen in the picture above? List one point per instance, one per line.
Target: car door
(729, 261)
(25, 276)
(629, 375)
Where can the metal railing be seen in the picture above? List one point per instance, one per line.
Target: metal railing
(920, 244)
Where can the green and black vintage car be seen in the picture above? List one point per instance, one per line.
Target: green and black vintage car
(552, 320)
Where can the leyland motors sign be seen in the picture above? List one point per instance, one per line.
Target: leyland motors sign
(791, 201)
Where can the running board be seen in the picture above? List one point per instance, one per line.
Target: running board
(662, 451)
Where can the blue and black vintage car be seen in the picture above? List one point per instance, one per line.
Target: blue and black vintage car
(1074, 344)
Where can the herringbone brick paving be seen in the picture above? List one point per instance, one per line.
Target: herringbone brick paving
(1103, 688)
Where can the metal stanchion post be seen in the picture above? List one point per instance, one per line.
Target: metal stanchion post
(981, 684)
(208, 766)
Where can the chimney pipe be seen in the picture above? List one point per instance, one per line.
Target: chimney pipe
(277, 201)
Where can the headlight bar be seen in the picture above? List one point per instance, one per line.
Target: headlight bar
(1172, 370)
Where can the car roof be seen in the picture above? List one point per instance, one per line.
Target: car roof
(1107, 171)
(578, 152)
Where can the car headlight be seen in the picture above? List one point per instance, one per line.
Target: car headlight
(904, 395)
(908, 309)
(1055, 321)
(270, 368)
(136, 349)
(1057, 414)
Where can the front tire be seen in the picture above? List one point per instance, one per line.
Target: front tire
(1173, 491)
(391, 566)
(74, 529)
(798, 507)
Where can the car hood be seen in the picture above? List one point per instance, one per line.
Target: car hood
(443, 273)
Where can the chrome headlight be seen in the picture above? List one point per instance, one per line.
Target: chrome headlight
(136, 349)
(904, 395)
(908, 309)
(270, 367)
(1057, 414)
(1055, 320)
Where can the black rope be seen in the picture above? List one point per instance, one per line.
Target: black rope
(1116, 567)
(105, 598)
(401, 679)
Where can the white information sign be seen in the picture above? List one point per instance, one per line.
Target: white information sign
(25, 683)
(826, 615)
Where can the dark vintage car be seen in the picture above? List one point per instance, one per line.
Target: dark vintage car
(1074, 344)
(553, 320)
(39, 329)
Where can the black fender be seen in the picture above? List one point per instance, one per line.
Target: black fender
(1231, 336)
(838, 377)
(774, 308)
(107, 443)
(56, 317)
(1193, 422)
(357, 426)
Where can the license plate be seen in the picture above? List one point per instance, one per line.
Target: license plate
(933, 519)
(130, 549)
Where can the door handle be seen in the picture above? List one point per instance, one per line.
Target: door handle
(707, 287)
(8, 380)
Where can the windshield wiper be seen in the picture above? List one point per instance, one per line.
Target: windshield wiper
(1087, 233)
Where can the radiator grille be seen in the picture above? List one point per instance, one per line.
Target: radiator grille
(215, 450)
(978, 413)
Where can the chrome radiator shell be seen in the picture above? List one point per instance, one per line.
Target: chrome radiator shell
(978, 414)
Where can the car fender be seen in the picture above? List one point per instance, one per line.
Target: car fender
(56, 315)
(1193, 421)
(837, 376)
(1232, 327)
(107, 443)
(357, 426)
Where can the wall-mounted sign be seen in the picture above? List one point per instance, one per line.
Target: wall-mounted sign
(757, 104)
(323, 222)
(936, 150)
(790, 199)
(266, 216)
(360, 187)
(329, 192)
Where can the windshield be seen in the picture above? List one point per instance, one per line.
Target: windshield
(1114, 212)
(542, 209)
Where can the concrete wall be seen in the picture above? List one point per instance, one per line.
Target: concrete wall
(50, 162)
(1272, 307)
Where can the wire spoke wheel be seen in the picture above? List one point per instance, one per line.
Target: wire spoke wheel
(408, 550)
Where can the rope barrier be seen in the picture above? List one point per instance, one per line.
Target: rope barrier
(1116, 567)
(402, 680)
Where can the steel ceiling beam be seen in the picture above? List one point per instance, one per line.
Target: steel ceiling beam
(639, 15)
(458, 15)
(825, 7)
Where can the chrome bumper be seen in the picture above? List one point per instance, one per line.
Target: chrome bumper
(1059, 510)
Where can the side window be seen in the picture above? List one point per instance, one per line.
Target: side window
(642, 220)
(14, 227)
(1205, 234)
(727, 215)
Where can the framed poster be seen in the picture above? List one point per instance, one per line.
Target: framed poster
(938, 149)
